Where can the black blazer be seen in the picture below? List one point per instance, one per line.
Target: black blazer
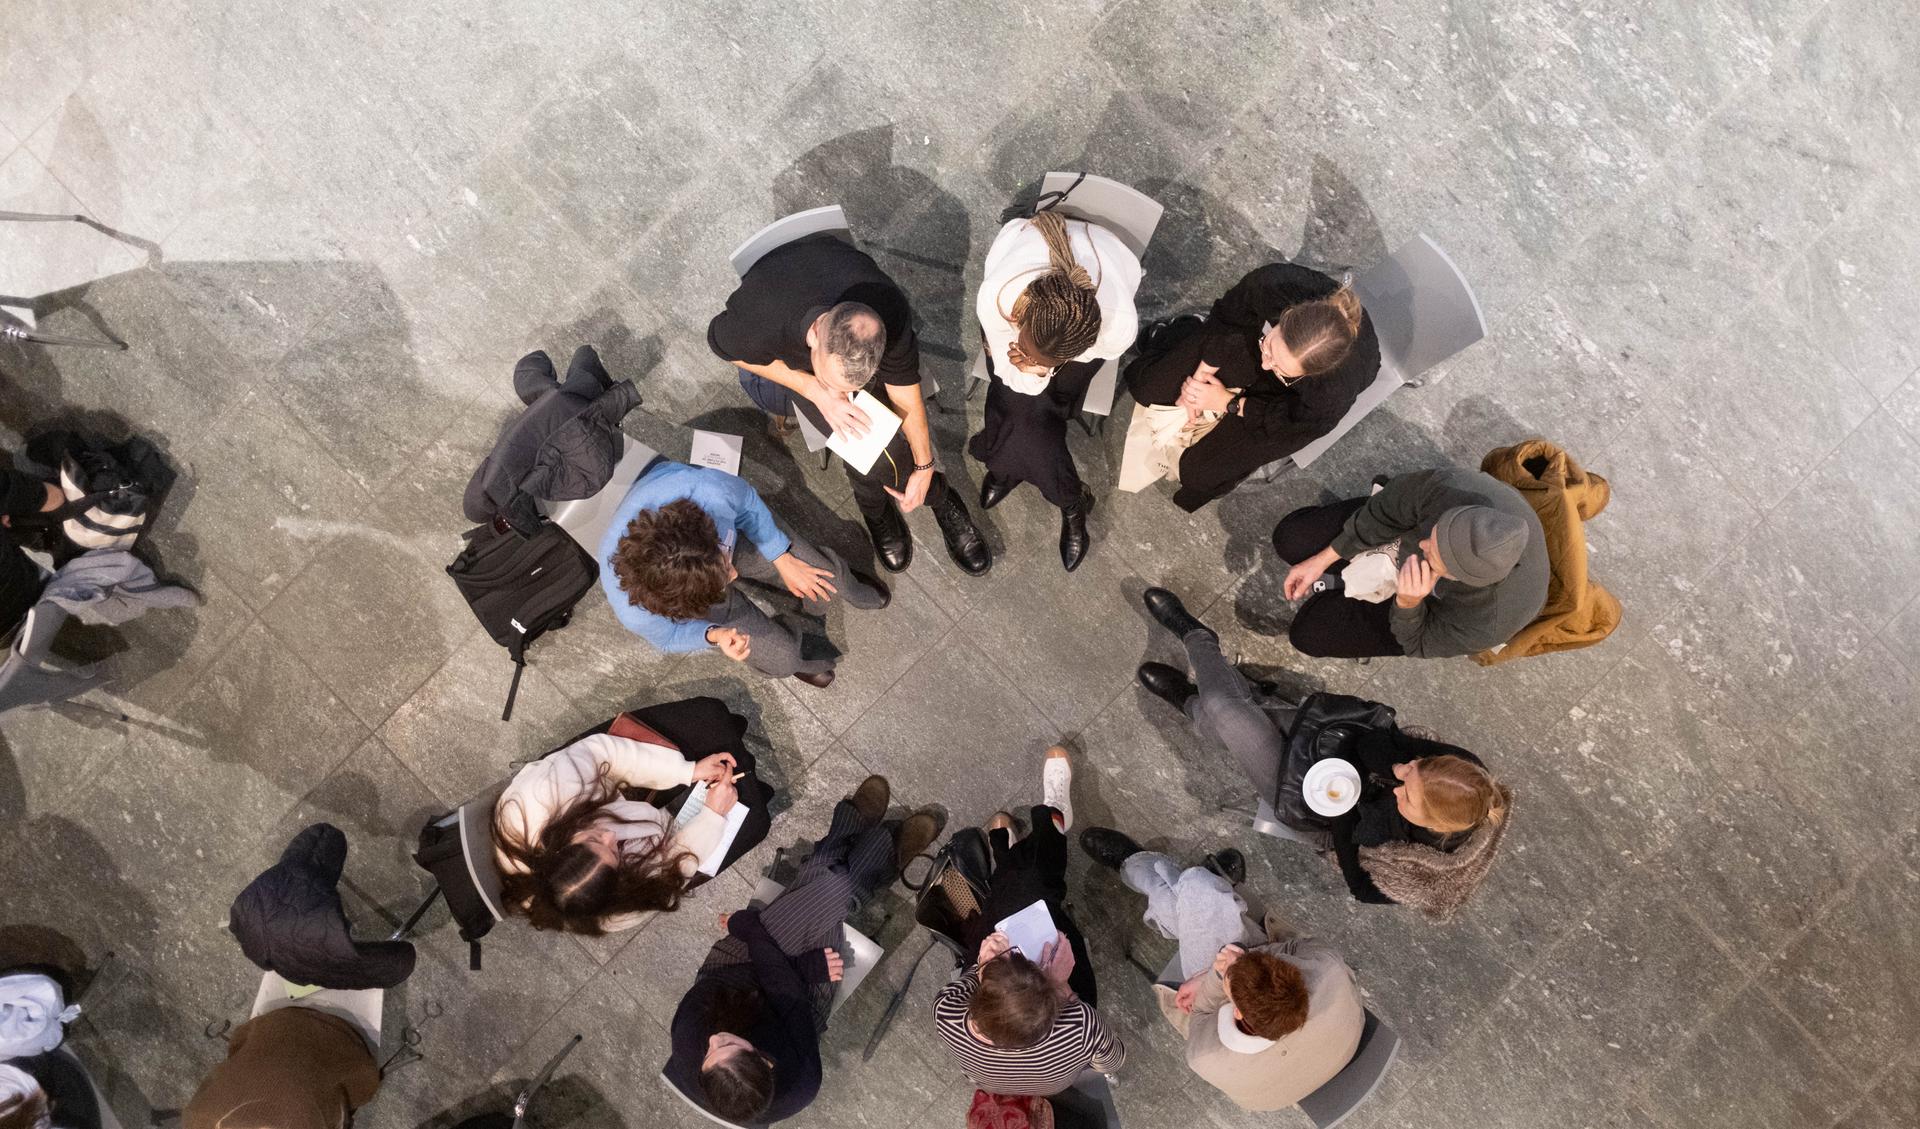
(1277, 419)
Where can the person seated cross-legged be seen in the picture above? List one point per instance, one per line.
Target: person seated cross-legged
(746, 1037)
(1267, 1020)
(1456, 563)
(1429, 819)
(676, 547)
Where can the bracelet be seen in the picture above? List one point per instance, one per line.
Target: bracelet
(922, 466)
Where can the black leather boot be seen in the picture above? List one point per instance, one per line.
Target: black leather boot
(1169, 684)
(892, 541)
(993, 491)
(1172, 614)
(964, 543)
(1074, 539)
(1108, 847)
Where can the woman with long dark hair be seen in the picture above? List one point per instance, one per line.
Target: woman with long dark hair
(577, 856)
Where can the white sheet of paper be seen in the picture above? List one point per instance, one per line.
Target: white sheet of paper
(697, 799)
(861, 453)
(1030, 930)
(716, 449)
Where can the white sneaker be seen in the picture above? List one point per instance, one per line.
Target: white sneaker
(1056, 785)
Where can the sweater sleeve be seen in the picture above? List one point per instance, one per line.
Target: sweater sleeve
(755, 521)
(1109, 1053)
(1387, 516)
(674, 636)
(640, 764)
(1212, 995)
(1347, 851)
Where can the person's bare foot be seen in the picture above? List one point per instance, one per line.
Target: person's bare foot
(1056, 785)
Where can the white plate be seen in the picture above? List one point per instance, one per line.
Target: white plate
(1331, 787)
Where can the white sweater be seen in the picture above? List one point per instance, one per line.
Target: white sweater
(544, 788)
(1019, 255)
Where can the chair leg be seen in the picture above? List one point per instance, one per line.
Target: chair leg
(17, 333)
(1081, 419)
(432, 896)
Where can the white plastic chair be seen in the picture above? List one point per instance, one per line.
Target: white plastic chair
(1346, 1091)
(1423, 311)
(1131, 215)
(360, 1008)
(586, 519)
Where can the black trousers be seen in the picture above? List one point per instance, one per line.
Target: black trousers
(1024, 438)
(1033, 870)
(1329, 625)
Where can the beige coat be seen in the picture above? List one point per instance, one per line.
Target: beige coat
(1288, 1069)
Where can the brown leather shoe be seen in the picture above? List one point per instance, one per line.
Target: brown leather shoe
(781, 428)
(871, 798)
(819, 681)
(917, 833)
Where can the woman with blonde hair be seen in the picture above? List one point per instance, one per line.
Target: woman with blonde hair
(1056, 301)
(1429, 819)
(1273, 367)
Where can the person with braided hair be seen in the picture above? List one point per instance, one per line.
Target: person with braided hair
(1056, 301)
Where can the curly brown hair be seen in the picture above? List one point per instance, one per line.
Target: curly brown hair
(1270, 994)
(670, 562)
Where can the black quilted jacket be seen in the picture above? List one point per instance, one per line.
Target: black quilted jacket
(289, 920)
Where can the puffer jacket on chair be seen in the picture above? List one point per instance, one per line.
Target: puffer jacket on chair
(563, 447)
(289, 920)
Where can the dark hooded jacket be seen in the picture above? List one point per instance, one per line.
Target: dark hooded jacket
(289, 920)
(563, 447)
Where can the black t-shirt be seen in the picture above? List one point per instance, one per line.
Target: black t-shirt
(767, 318)
(20, 579)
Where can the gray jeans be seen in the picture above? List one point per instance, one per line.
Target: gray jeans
(774, 648)
(1250, 725)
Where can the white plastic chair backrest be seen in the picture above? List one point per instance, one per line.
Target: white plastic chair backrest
(361, 1008)
(1422, 309)
(1126, 211)
(586, 519)
(695, 1106)
(476, 850)
(785, 230)
(1346, 1091)
(1265, 820)
(862, 952)
(1423, 312)
(1106, 382)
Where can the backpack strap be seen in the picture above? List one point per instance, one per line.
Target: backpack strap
(513, 691)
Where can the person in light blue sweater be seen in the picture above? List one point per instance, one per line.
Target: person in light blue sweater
(683, 536)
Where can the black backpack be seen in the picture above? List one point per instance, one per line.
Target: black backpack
(439, 854)
(522, 587)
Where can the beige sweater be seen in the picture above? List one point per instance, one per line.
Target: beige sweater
(1259, 1074)
(542, 789)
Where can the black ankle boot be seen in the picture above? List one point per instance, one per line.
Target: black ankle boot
(1074, 539)
(1108, 847)
(892, 541)
(964, 543)
(1166, 607)
(993, 491)
(1167, 683)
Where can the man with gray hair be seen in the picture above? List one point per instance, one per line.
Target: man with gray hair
(1467, 556)
(812, 323)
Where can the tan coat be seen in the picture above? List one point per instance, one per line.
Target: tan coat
(292, 1068)
(1578, 613)
(1293, 1067)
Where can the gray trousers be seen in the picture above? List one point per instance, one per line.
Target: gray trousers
(775, 649)
(1250, 725)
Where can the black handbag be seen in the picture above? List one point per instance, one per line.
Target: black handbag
(1325, 726)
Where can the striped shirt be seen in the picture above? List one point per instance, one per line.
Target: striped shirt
(1078, 1041)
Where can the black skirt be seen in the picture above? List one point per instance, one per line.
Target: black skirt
(1024, 438)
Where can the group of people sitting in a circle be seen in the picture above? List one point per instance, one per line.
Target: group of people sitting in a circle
(598, 835)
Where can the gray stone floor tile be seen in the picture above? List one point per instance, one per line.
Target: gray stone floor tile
(1398, 957)
(877, 649)
(1750, 1066)
(143, 1051)
(1639, 976)
(51, 256)
(1760, 603)
(1902, 636)
(1847, 529)
(1870, 326)
(1849, 1012)
(1896, 1100)
(931, 738)
(449, 732)
(44, 64)
(380, 805)
(611, 1077)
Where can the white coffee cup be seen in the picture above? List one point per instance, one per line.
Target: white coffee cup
(1331, 787)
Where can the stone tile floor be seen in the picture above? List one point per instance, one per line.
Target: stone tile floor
(1693, 228)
